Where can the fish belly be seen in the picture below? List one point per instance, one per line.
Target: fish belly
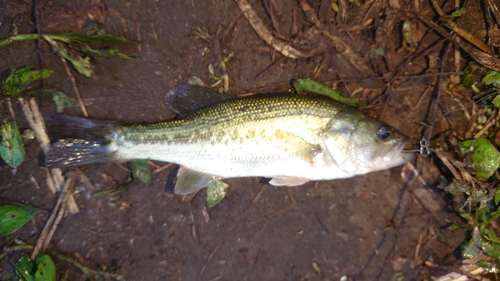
(267, 148)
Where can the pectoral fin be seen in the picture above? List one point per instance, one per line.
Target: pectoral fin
(189, 181)
(287, 181)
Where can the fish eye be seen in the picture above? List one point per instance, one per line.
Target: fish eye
(383, 133)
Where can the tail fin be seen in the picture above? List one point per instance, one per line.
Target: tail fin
(79, 141)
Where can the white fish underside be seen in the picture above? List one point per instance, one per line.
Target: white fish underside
(292, 146)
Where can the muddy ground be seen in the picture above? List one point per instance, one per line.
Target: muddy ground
(381, 226)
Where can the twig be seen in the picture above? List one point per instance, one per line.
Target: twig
(50, 182)
(84, 179)
(483, 58)
(273, 216)
(10, 109)
(60, 214)
(87, 270)
(454, 269)
(208, 259)
(447, 163)
(256, 198)
(38, 127)
(494, 10)
(34, 182)
(138, 31)
(265, 34)
(460, 32)
(491, 122)
(75, 88)
(162, 168)
(193, 229)
(50, 221)
(339, 44)
(9, 249)
(439, 93)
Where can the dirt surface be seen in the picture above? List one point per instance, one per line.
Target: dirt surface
(381, 226)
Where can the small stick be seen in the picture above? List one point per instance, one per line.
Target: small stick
(490, 123)
(460, 32)
(50, 220)
(437, 99)
(256, 198)
(454, 269)
(34, 182)
(208, 259)
(273, 216)
(84, 179)
(447, 163)
(50, 181)
(138, 31)
(87, 270)
(193, 229)
(60, 214)
(265, 34)
(9, 249)
(159, 169)
(75, 88)
(419, 245)
(10, 109)
(39, 128)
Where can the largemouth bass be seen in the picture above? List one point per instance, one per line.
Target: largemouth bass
(291, 139)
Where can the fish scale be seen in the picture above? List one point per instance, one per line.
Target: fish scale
(289, 138)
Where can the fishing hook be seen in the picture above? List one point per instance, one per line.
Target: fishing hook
(424, 150)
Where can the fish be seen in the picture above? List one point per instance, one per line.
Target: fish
(290, 138)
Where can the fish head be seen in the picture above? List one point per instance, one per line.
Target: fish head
(359, 144)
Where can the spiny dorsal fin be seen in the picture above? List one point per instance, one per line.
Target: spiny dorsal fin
(184, 98)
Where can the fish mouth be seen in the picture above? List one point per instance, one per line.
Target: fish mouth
(395, 152)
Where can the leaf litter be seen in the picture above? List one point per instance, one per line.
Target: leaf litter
(474, 167)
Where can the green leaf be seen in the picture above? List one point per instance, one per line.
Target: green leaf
(497, 195)
(458, 12)
(61, 100)
(13, 217)
(81, 64)
(11, 144)
(482, 215)
(81, 38)
(472, 248)
(484, 155)
(106, 53)
(216, 191)
(456, 226)
(315, 87)
(493, 77)
(46, 269)
(491, 235)
(496, 101)
(140, 170)
(25, 268)
(20, 80)
(472, 74)
(491, 249)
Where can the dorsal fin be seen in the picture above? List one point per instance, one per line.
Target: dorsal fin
(184, 98)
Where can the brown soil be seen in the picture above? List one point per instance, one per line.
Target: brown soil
(365, 228)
